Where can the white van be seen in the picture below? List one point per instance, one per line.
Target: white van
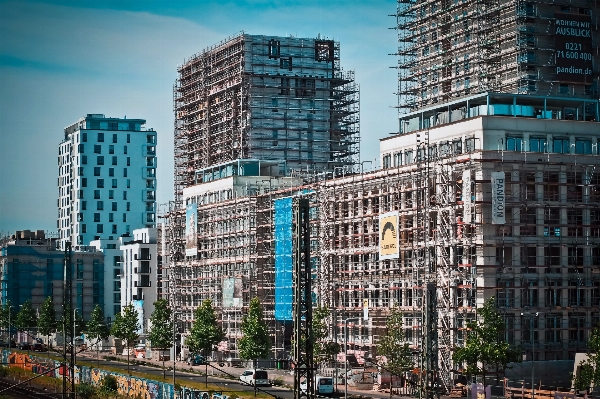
(255, 377)
(323, 385)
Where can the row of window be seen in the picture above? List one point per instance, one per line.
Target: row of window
(441, 150)
(113, 228)
(559, 145)
(115, 159)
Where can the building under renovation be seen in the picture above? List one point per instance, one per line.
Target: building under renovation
(269, 98)
(490, 189)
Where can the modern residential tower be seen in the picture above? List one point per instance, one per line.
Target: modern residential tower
(106, 180)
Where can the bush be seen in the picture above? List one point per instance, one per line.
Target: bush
(109, 385)
(86, 391)
(277, 382)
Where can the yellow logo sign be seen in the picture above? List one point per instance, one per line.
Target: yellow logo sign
(388, 236)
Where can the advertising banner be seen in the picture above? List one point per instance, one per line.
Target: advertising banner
(388, 236)
(498, 198)
(232, 292)
(573, 45)
(365, 309)
(191, 221)
(466, 197)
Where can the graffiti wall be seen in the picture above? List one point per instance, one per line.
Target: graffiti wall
(128, 385)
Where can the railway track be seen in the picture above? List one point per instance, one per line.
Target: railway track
(24, 392)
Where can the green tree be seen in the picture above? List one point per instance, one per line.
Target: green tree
(109, 386)
(26, 317)
(205, 331)
(161, 330)
(66, 322)
(47, 323)
(484, 347)
(97, 329)
(324, 349)
(588, 371)
(255, 342)
(394, 348)
(125, 327)
(5, 310)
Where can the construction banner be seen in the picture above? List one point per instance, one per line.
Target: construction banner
(498, 198)
(388, 236)
(191, 242)
(466, 197)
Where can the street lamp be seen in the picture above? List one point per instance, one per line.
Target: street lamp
(174, 346)
(346, 354)
(362, 164)
(9, 339)
(532, 353)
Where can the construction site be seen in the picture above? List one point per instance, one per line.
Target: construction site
(492, 187)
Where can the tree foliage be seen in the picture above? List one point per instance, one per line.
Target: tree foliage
(67, 320)
(588, 371)
(96, 327)
(484, 347)
(4, 312)
(394, 352)
(324, 349)
(255, 342)
(205, 331)
(26, 317)
(126, 325)
(161, 320)
(47, 323)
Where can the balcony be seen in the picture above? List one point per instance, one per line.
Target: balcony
(142, 256)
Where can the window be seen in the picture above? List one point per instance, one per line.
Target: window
(124, 172)
(150, 161)
(128, 138)
(467, 82)
(111, 217)
(128, 183)
(151, 172)
(111, 149)
(408, 157)
(529, 294)
(553, 293)
(583, 146)
(553, 328)
(97, 171)
(576, 327)
(99, 228)
(100, 183)
(96, 194)
(114, 229)
(560, 145)
(537, 144)
(97, 149)
(100, 205)
(514, 144)
(100, 160)
(81, 148)
(124, 195)
(114, 160)
(114, 138)
(111, 194)
(124, 217)
(83, 205)
(124, 149)
(84, 137)
(114, 206)
(97, 217)
(128, 206)
(128, 161)
(79, 275)
(83, 228)
(84, 159)
(80, 194)
(150, 184)
(457, 146)
(84, 182)
(470, 144)
(286, 63)
(111, 171)
(100, 137)
(274, 48)
(151, 139)
(576, 293)
(563, 88)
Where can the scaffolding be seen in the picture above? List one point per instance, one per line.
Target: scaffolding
(267, 98)
(453, 49)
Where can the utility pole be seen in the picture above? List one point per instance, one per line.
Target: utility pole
(303, 330)
(67, 295)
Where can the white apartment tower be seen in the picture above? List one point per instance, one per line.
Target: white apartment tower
(106, 179)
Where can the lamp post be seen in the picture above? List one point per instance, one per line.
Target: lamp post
(362, 165)
(9, 339)
(346, 354)
(532, 354)
(174, 346)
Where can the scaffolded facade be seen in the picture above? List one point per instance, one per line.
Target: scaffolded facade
(450, 49)
(269, 98)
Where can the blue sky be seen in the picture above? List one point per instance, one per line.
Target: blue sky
(60, 60)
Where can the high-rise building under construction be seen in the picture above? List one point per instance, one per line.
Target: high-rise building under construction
(269, 98)
(491, 187)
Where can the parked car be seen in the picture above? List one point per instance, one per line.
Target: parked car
(255, 377)
(195, 360)
(39, 347)
(24, 346)
(323, 385)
